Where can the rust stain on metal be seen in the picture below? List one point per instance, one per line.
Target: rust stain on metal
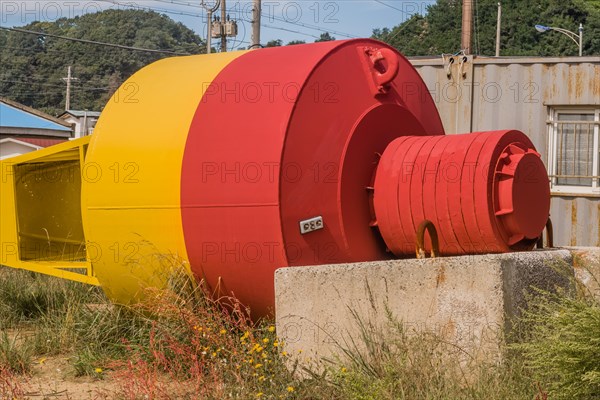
(441, 276)
(596, 85)
(575, 86)
(573, 222)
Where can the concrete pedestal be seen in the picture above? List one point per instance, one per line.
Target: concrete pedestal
(467, 300)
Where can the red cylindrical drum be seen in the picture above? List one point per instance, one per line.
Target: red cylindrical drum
(485, 192)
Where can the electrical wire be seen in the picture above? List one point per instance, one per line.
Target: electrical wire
(280, 19)
(392, 7)
(94, 42)
(309, 26)
(160, 10)
(406, 23)
(55, 85)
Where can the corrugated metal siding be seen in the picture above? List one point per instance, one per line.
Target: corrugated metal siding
(516, 94)
(576, 221)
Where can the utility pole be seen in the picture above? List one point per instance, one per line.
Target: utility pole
(467, 26)
(68, 79)
(209, 23)
(498, 24)
(223, 21)
(209, 16)
(256, 12)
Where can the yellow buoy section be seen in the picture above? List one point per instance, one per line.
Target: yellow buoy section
(132, 174)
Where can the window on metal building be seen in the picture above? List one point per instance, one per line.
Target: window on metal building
(574, 150)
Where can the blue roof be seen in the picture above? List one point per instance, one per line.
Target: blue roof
(15, 118)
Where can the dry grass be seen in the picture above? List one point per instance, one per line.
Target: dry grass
(180, 344)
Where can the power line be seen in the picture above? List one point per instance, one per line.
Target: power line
(180, 3)
(52, 86)
(162, 10)
(280, 19)
(287, 30)
(407, 23)
(118, 46)
(202, 16)
(32, 79)
(309, 26)
(390, 6)
(35, 48)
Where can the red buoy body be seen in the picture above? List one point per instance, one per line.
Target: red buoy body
(288, 135)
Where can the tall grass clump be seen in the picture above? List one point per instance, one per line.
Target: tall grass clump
(15, 353)
(561, 343)
(201, 348)
(26, 296)
(391, 362)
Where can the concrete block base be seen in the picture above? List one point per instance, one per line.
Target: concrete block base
(586, 263)
(468, 300)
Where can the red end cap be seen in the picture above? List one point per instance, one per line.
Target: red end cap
(522, 201)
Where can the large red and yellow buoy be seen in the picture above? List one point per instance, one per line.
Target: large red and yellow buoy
(236, 164)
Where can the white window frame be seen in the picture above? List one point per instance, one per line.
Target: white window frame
(553, 113)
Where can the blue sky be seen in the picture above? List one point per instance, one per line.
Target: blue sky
(282, 19)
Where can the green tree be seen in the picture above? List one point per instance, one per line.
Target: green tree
(33, 66)
(325, 37)
(274, 43)
(439, 31)
(293, 42)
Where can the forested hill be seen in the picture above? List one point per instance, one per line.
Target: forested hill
(32, 67)
(439, 30)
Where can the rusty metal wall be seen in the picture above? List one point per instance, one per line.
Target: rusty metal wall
(479, 94)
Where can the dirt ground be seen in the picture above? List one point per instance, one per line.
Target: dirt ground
(52, 378)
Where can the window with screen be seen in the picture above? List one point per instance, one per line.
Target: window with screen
(574, 151)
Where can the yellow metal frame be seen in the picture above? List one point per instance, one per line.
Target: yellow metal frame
(10, 241)
(133, 201)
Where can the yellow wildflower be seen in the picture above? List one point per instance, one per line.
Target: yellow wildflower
(290, 389)
(223, 331)
(266, 340)
(271, 329)
(259, 394)
(258, 366)
(98, 370)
